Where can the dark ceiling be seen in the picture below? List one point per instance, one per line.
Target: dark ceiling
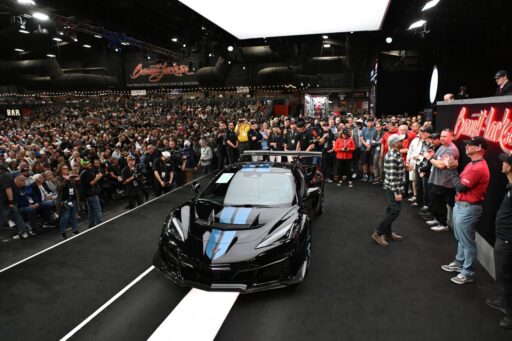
(459, 33)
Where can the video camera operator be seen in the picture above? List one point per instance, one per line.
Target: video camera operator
(132, 178)
(163, 172)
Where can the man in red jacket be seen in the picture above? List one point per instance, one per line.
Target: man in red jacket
(344, 147)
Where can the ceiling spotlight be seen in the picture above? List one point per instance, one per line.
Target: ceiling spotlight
(40, 16)
(19, 50)
(389, 40)
(125, 43)
(75, 39)
(210, 54)
(87, 46)
(327, 46)
(203, 28)
(99, 36)
(148, 57)
(174, 40)
(60, 33)
(184, 45)
(24, 31)
(57, 39)
(430, 4)
(325, 37)
(27, 2)
(230, 48)
(243, 67)
(229, 61)
(116, 49)
(417, 24)
(50, 55)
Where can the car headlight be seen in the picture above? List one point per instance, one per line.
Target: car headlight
(173, 228)
(280, 236)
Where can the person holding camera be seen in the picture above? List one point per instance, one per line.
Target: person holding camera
(132, 179)
(67, 200)
(163, 172)
(91, 190)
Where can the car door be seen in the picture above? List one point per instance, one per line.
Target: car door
(305, 201)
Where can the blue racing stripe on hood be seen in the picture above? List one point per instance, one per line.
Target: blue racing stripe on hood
(226, 214)
(241, 215)
(223, 244)
(212, 242)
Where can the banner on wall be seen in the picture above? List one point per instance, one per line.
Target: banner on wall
(157, 74)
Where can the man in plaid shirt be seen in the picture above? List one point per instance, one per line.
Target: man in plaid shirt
(394, 171)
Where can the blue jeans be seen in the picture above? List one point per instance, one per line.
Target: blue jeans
(94, 210)
(68, 214)
(392, 212)
(465, 219)
(13, 214)
(30, 213)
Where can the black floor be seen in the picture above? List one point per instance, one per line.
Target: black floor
(356, 290)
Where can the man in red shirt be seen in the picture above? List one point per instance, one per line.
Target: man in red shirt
(470, 186)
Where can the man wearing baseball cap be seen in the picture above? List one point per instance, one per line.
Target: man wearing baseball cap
(394, 170)
(470, 187)
(503, 249)
(504, 86)
(163, 172)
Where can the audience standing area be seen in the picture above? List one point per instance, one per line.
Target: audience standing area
(490, 118)
(100, 285)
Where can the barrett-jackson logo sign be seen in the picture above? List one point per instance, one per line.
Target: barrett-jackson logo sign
(156, 72)
(486, 123)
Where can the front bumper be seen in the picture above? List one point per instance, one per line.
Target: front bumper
(277, 269)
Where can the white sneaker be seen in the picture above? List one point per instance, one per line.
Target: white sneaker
(461, 279)
(439, 228)
(432, 222)
(412, 199)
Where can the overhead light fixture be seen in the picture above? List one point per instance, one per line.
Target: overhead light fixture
(184, 45)
(148, 57)
(230, 48)
(210, 54)
(99, 36)
(417, 24)
(203, 28)
(50, 55)
(116, 49)
(125, 43)
(87, 46)
(325, 37)
(57, 39)
(27, 2)
(23, 31)
(243, 67)
(40, 16)
(342, 16)
(75, 39)
(327, 46)
(430, 4)
(19, 50)
(389, 40)
(229, 61)
(174, 40)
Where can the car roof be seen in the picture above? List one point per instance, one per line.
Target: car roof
(261, 166)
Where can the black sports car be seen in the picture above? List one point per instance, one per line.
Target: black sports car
(249, 230)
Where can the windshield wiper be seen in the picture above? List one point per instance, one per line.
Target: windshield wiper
(210, 201)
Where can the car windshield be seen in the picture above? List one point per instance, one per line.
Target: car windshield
(252, 188)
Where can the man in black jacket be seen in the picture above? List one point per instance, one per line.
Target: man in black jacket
(90, 191)
(231, 142)
(132, 179)
(8, 203)
(503, 249)
(504, 86)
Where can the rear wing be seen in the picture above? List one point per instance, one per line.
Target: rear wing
(293, 154)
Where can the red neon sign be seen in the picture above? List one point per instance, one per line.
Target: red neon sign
(157, 71)
(487, 125)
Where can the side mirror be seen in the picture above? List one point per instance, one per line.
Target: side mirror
(196, 186)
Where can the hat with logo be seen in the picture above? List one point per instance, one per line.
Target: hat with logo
(499, 74)
(435, 135)
(505, 157)
(167, 154)
(186, 143)
(477, 141)
(395, 138)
